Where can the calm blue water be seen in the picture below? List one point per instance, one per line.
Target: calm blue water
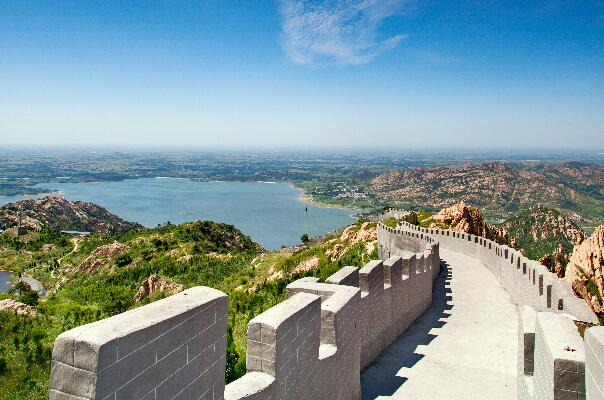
(271, 213)
(4, 281)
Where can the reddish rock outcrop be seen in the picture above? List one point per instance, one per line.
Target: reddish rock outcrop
(461, 218)
(99, 257)
(16, 307)
(585, 270)
(157, 284)
(366, 233)
(556, 261)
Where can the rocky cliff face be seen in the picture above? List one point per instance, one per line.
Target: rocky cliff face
(539, 232)
(352, 235)
(585, 270)
(56, 213)
(461, 218)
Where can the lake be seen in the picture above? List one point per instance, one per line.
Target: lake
(5, 281)
(271, 213)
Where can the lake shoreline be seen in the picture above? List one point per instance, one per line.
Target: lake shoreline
(305, 198)
(271, 213)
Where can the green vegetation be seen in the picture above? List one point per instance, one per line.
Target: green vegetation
(540, 231)
(25, 294)
(100, 276)
(390, 222)
(424, 218)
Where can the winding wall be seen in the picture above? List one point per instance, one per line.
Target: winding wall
(554, 362)
(527, 281)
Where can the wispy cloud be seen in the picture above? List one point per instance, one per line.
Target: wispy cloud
(341, 32)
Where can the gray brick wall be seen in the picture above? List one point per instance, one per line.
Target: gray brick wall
(173, 348)
(594, 363)
(362, 311)
(559, 360)
(526, 351)
(546, 370)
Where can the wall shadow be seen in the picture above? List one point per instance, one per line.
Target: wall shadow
(379, 378)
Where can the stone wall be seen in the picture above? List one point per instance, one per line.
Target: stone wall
(311, 346)
(594, 363)
(347, 322)
(527, 281)
(315, 343)
(404, 215)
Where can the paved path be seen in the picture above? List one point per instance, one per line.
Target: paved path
(463, 347)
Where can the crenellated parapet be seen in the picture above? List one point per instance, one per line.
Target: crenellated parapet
(348, 322)
(526, 280)
(400, 214)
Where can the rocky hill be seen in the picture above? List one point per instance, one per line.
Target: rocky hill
(460, 218)
(500, 189)
(539, 231)
(585, 270)
(57, 213)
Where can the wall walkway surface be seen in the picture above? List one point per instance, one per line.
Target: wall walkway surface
(461, 348)
(527, 281)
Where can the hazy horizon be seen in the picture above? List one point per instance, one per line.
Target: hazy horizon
(352, 74)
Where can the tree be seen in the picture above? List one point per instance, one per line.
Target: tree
(21, 287)
(304, 238)
(30, 297)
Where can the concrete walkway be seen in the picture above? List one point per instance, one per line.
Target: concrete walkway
(463, 347)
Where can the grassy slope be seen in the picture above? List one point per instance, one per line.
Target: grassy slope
(206, 253)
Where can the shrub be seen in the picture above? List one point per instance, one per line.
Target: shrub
(123, 260)
(391, 222)
(30, 297)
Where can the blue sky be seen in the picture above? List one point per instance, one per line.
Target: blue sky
(290, 73)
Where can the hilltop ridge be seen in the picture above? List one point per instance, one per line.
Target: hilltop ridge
(500, 188)
(57, 213)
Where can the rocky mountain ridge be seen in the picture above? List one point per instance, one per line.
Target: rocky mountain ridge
(500, 189)
(539, 231)
(57, 213)
(541, 234)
